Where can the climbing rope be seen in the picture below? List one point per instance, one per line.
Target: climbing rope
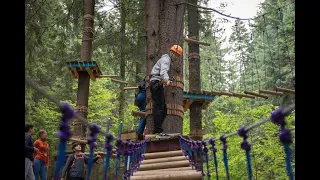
(217, 56)
(254, 59)
(285, 40)
(278, 117)
(214, 150)
(223, 139)
(205, 150)
(94, 130)
(241, 61)
(270, 52)
(247, 147)
(108, 147)
(64, 135)
(279, 58)
(118, 149)
(109, 41)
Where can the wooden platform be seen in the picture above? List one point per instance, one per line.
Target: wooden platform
(166, 165)
(132, 135)
(91, 67)
(152, 137)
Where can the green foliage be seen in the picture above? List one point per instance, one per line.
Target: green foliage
(54, 36)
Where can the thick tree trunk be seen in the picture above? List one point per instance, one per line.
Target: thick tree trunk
(164, 29)
(152, 12)
(84, 78)
(141, 45)
(194, 72)
(122, 61)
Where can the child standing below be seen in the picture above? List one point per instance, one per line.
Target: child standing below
(76, 163)
(41, 159)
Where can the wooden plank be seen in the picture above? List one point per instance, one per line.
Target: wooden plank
(226, 93)
(119, 81)
(290, 91)
(107, 76)
(270, 92)
(256, 94)
(152, 137)
(130, 88)
(138, 114)
(205, 105)
(195, 175)
(215, 93)
(129, 136)
(187, 104)
(92, 77)
(196, 41)
(239, 95)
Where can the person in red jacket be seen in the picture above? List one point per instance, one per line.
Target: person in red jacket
(41, 159)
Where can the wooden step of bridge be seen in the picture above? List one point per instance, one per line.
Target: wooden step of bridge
(166, 165)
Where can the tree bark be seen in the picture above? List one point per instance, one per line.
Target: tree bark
(194, 72)
(152, 13)
(164, 29)
(84, 78)
(122, 61)
(141, 45)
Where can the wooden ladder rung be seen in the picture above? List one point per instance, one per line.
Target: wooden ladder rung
(290, 91)
(256, 94)
(239, 95)
(226, 93)
(270, 92)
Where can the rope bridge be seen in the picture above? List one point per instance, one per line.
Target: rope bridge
(194, 150)
(133, 153)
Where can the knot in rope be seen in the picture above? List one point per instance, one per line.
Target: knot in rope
(212, 148)
(223, 139)
(243, 133)
(94, 130)
(278, 117)
(68, 113)
(109, 139)
(205, 149)
(118, 144)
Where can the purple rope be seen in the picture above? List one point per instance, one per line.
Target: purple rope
(205, 150)
(126, 153)
(278, 117)
(225, 157)
(108, 147)
(194, 149)
(247, 147)
(64, 135)
(118, 144)
(214, 150)
(130, 158)
(199, 144)
(94, 130)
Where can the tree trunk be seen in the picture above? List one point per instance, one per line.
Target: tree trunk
(122, 61)
(141, 60)
(84, 78)
(164, 30)
(194, 72)
(152, 10)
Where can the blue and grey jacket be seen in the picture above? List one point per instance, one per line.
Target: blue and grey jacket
(161, 69)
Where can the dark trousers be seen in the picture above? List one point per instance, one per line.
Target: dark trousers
(159, 108)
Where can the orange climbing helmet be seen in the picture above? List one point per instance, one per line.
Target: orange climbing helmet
(177, 49)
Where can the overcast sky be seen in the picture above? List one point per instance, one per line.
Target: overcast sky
(238, 8)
